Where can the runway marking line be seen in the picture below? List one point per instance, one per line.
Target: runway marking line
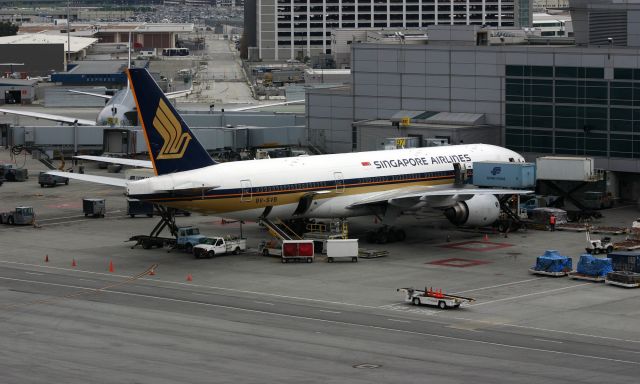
(327, 311)
(263, 302)
(497, 286)
(529, 294)
(455, 338)
(549, 341)
(399, 321)
(386, 306)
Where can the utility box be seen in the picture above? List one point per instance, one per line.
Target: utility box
(504, 174)
(342, 249)
(565, 168)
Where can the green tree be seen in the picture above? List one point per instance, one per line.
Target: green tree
(8, 29)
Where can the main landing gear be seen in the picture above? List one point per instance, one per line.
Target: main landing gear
(385, 235)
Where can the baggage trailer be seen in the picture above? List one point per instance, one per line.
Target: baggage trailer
(297, 250)
(434, 298)
(342, 249)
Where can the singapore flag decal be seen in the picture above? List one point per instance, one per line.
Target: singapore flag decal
(365, 163)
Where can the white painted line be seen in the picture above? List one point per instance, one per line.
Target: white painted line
(196, 285)
(462, 339)
(550, 341)
(72, 217)
(628, 351)
(399, 321)
(199, 294)
(497, 286)
(263, 302)
(497, 324)
(34, 273)
(85, 280)
(529, 294)
(327, 311)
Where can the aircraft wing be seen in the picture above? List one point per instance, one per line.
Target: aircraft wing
(176, 94)
(47, 116)
(117, 160)
(266, 105)
(434, 196)
(108, 97)
(117, 182)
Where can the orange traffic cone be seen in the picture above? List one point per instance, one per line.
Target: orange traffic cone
(486, 237)
(73, 263)
(46, 258)
(152, 272)
(189, 277)
(111, 269)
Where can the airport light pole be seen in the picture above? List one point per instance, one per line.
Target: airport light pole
(68, 35)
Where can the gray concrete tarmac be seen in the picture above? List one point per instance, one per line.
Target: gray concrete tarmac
(252, 319)
(63, 325)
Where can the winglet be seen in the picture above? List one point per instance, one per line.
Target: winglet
(172, 145)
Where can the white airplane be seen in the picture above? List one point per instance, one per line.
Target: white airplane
(384, 183)
(120, 109)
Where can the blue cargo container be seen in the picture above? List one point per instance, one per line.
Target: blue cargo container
(505, 175)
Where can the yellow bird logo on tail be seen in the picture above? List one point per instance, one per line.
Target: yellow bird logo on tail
(175, 141)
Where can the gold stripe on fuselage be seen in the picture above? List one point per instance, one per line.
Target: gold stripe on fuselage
(233, 202)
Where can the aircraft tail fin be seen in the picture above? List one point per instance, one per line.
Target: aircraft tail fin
(172, 145)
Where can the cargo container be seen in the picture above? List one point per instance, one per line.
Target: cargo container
(628, 261)
(504, 174)
(565, 168)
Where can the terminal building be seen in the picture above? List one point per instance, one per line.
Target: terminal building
(541, 100)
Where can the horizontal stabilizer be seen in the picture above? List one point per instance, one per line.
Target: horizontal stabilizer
(107, 97)
(116, 182)
(117, 160)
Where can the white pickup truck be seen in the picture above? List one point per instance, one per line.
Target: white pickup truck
(213, 246)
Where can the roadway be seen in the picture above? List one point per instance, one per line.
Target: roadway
(74, 326)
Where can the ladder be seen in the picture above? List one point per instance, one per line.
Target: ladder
(280, 230)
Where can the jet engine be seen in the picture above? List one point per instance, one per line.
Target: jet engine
(478, 211)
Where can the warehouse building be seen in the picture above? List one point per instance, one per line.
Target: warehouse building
(42, 54)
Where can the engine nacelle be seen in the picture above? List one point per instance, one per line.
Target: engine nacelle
(480, 210)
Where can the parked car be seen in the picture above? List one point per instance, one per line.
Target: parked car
(47, 180)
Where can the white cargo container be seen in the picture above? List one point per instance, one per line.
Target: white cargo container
(342, 249)
(564, 168)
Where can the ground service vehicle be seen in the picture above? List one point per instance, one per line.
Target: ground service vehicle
(595, 246)
(213, 246)
(20, 216)
(433, 297)
(186, 238)
(45, 179)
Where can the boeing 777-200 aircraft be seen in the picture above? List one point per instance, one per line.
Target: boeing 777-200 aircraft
(384, 183)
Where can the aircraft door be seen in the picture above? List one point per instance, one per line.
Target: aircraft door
(246, 190)
(339, 178)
